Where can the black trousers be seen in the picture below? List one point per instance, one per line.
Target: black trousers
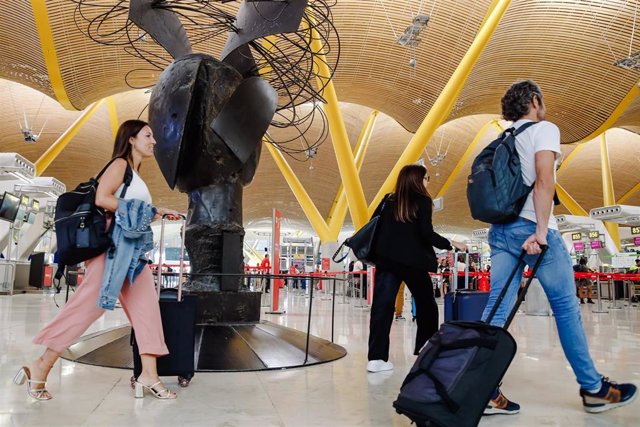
(388, 277)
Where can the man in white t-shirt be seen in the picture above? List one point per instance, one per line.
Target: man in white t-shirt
(539, 149)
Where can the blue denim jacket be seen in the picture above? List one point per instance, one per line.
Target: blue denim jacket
(132, 239)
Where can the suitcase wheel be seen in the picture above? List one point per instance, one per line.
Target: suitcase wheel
(183, 382)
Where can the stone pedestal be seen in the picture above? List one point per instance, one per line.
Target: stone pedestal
(228, 307)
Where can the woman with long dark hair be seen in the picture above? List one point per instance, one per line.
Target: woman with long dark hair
(134, 142)
(404, 250)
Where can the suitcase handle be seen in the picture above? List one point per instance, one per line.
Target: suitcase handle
(503, 293)
(183, 219)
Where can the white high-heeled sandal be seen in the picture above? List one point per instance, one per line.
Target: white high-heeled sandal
(162, 393)
(24, 375)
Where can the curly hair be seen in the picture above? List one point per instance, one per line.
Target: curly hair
(517, 100)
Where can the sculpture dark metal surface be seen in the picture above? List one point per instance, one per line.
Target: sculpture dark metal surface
(209, 116)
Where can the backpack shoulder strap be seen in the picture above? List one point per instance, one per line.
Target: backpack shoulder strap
(104, 169)
(128, 176)
(522, 128)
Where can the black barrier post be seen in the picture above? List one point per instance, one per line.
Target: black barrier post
(333, 307)
(306, 351)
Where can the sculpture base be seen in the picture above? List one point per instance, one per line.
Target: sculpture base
(228, 307)
(219, 348)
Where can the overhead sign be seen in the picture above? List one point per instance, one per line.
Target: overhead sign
(635, 230)
(596, 244)
(594, 235)
(576, 237)
(578, 246)
(474, 248)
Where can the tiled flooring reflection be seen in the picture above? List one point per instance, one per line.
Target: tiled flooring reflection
(334, 394)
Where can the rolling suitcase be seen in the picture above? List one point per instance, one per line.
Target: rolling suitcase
(455, 374)
(178, 314)
(464, 304)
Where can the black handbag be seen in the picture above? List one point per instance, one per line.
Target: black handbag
(362, 243)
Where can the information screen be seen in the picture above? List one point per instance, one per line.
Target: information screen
(635, 230)
(576, 236)
(594, 234)
(9, 207)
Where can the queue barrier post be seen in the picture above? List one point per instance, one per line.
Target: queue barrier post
(612, 285)
(599, 308)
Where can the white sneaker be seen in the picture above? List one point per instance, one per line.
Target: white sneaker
(379, 366)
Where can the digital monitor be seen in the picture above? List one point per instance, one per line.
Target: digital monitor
(9, 207)
(576, 236)
(35, 205)
(30, 217)
(594, 234)
(635, 230)
(22, 213)
(24, 200)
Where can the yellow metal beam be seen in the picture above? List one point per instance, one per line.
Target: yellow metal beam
(58, 146)
(628, 194)
(608, 195)
(616, 113)
(301, 195)
(113, 116)
(444, 104)
(338, 211)
(571, 155)
(41, 20)
(344, 155)
(569, 202)
(465, 157)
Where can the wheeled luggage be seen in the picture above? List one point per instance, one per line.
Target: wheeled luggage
(455, 374)
(178, 314)
(464, 305)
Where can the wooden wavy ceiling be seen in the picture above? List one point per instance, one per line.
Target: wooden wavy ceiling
(567, 46)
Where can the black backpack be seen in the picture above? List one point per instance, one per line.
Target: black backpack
(81, 226)
(496, 190)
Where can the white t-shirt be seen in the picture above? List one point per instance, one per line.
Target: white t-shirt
(137, 189)
(540, 137)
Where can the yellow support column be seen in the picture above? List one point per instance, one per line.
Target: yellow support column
(113, 116)
(608, 195)
(338, 131)
(301, 195)
(569, 202)
(41, 20)
(338, 211)
(444, 104)
(629, 193)
(465, 157)
(58, 146)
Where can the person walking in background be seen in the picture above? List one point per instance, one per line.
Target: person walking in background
(400, 303)
(404, 250)
(583, 286)
(133, 143)
(265, 268)
(539, 150)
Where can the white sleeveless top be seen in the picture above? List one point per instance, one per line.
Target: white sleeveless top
(137, 189)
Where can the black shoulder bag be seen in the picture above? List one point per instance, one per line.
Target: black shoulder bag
(362, 243)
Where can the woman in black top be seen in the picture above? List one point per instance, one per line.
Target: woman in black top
(404, 250)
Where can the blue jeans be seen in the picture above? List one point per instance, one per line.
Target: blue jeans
(556, 277)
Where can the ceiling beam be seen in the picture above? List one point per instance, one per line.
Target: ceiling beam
(569, 202)
(113, 116)
(628, 194)
(608, 195)
(41, 19)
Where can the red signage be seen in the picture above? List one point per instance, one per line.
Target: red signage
(578, 246)
(596, 244)
(326, 265)
(636, 241)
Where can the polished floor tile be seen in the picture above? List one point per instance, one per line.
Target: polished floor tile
(339, 393)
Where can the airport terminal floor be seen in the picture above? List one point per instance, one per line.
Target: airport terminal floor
(339, 393)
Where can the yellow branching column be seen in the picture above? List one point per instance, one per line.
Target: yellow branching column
(338, 131)
(59, 145)
(569, 202)
(608, 195)
(446, 100)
